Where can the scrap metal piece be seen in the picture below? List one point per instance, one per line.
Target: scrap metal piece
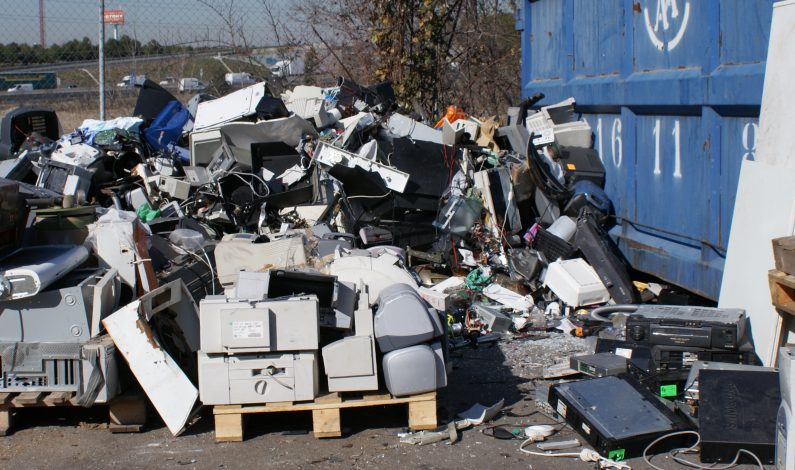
(479, 414)
(158, 335)
(394, 179)
(559, 444)
(429, 437)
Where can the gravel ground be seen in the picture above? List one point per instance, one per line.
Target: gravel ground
(78, 438)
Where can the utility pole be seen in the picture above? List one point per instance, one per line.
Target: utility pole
(42, 30)
(101, 60)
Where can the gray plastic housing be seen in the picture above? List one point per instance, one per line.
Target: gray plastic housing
(416, 369)
(404, 319)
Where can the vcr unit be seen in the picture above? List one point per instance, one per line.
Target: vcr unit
(674, 325)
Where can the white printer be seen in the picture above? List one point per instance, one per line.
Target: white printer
(230, 326)
(258, 378)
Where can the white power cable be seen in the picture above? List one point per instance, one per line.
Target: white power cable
(586, 455)
(371, 197)
(199, 258)
(209, 265)
(693, 449)
(248, 183)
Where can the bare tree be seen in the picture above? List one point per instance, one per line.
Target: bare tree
(436, 52)
(232, 20)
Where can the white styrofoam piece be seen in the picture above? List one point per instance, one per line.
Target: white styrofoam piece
(507, 297)
(394, 179)
(775, 137)
(166, 385)
(302, 92)
(576, 283)
(763, 209)
(305, 108)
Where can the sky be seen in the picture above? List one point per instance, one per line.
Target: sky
(167, 21)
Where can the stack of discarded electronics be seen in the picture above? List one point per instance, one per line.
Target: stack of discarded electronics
(673, 369)
(271, 248)
(51, 305)
(266, 340)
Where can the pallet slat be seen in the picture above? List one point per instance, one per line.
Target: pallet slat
(27, 399)
(57, 398)
(316, 405)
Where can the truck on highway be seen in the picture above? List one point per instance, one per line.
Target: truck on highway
(239, 79)
(38, 80)
(129, 81)
(288, 68)
(191, 84)
(21, 87)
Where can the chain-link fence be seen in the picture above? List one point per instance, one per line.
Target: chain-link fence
(49, 49)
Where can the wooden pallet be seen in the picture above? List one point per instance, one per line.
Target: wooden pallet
(325, 413)
(127, 412)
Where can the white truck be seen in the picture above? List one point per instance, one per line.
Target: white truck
(21, 87)
(129, 81)
(191, 84)
(288, 68)
(239, 79)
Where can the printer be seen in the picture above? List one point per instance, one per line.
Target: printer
(258, 378)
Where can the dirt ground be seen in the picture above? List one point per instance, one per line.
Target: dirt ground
(78, 438)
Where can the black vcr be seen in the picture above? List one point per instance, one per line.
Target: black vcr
(685, 326)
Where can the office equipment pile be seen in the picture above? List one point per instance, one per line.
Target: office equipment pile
(255, 248)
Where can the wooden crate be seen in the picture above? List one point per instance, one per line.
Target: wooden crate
(784, 254)
(782, 290)
(127, 413)
(325, 413)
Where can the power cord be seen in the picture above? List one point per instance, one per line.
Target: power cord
(693, 449)
(586, 455)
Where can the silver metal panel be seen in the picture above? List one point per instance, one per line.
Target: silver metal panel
(54, 315)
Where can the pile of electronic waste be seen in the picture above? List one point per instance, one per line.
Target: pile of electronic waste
(254, 248)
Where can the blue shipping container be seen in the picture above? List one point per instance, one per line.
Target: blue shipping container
(672, 90)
